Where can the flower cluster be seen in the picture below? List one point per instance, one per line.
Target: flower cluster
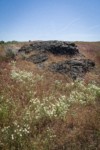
(16, 130)
(49, 107)
(83, 94)
(21, 75)
(24, 76)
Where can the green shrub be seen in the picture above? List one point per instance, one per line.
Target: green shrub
(10, 54)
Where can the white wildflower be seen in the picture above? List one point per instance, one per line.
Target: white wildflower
(12, 137)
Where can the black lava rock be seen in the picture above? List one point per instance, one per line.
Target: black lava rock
(75, 68)
(54, 47)
(38, 58)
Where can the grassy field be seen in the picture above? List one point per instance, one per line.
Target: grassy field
(41, 110)
(90, 49)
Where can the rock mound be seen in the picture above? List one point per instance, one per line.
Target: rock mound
(54, 47)
(75, 68)
(38, 58)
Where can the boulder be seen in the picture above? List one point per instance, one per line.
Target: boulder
(37, 58)
(25, 49)
(75, 68)
(60, 67)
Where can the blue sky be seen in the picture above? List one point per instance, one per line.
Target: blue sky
(69, 20)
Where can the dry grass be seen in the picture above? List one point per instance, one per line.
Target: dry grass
(90, 50)
(77, 128)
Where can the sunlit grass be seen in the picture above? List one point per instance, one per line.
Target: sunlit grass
(41, 113)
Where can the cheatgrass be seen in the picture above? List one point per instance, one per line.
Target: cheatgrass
(59, 120)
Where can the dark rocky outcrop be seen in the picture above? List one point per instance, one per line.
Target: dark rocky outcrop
(25, 49)
(75, 68)
(60, 67)
(38, 58)
(54, 47)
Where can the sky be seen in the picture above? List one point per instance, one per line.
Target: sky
(68, 20)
